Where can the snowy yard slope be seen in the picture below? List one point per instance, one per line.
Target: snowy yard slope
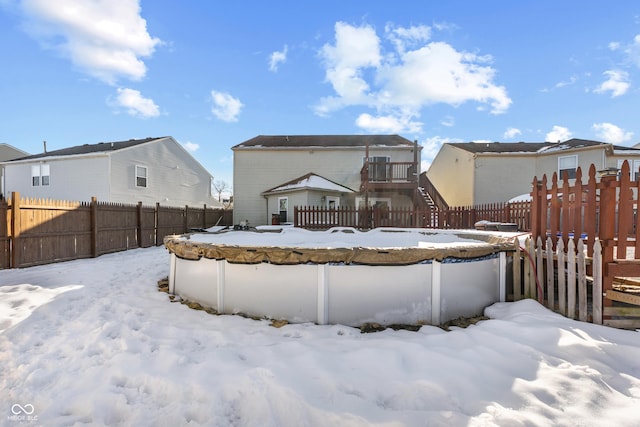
(92, 342)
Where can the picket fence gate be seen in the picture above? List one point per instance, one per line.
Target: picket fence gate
(558, 277)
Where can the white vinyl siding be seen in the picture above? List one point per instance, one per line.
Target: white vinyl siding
(173, 176)
(74, 179)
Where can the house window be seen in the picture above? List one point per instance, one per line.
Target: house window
(40, 175)
(44, 174)
(634, 165)
(283, 207)
(379, 168)
(567, 164)
(141, 176)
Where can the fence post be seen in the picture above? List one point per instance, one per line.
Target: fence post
(139, 224)
(607, 226)
(94, 226)
(204, 217)
(186, 219)
(156, 223)
(535, 208)
(16, 225)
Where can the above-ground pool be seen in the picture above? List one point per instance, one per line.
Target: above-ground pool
(342, 276)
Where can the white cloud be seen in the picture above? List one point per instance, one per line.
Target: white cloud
(511, 133)
(617, 83)
(437, 73)
(448, 121)
(402, 38)
(569, 82)
(190, 146)
(225, 107)
(558, 133)
(276, 58)
(611, 133)
(388, 124)
(104, 38)
(136, 104)
(411, 75)
(632, 50)
(356, 48)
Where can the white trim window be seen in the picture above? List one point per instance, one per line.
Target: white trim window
(142, 176)
(634, 165)
(40, 175)
(568, 164)
(283, 208)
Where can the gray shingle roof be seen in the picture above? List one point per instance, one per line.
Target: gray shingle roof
(268, 141)
(528, 147)
(90, 148)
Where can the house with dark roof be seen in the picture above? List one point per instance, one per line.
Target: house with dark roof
(472, 173)
(274, 173)
(8, 152)
(149, 170)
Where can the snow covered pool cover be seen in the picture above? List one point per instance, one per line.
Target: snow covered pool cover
(380, 246)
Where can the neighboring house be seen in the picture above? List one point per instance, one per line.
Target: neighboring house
(473, 173)
(150, 170)
(8, 152)
(273, 174)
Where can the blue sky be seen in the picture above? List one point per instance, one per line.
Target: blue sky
(213, 74)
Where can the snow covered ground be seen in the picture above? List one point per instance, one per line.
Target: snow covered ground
(93, 342)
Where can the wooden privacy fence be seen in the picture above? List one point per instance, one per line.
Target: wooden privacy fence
(607, 210)
(319, 218)
(34, 232)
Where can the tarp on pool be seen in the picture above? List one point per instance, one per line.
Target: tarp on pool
(285, 255)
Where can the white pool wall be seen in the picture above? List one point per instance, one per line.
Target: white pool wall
(429, 292)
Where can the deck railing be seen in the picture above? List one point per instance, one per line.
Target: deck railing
(388, 172)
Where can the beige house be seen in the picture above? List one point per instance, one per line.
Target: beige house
(473, 173)
(273, 174)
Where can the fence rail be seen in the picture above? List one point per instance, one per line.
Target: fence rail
(36, 231)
